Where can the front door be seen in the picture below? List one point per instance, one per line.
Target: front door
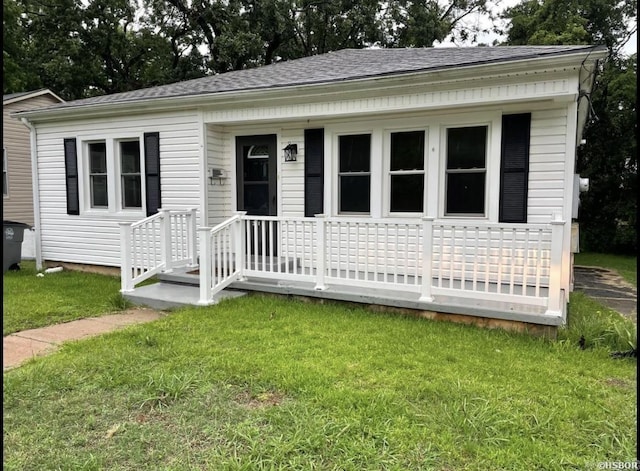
(257, 170)
(256, 163)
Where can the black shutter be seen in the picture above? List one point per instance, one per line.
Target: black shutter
(71, 175)
(152, 171)
(514, 167)
(313, 172)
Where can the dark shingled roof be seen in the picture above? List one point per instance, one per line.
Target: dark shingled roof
(343, 65)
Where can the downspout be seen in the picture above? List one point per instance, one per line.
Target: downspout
(36, 190)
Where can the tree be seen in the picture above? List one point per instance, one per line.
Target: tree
(608, 210)
(572, 22)
(610, 161)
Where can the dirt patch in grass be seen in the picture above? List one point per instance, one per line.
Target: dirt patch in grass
(261, 400)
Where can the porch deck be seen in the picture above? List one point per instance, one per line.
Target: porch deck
(180, 288)
(486, 271)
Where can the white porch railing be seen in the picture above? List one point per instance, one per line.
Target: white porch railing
(158, 243)
(220, 257)
(500, 262)
(436, 259)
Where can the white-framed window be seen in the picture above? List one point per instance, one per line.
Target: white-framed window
(466, 170)
(5, 173)
(98, 185)
(354, 174)
(130, 174)
(112, 172)
(406, 171)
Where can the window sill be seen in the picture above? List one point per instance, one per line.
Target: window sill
(122, 215)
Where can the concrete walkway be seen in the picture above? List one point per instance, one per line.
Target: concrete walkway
(21, 346)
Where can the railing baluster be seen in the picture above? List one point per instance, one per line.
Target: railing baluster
(427, 252)
(321, 252)
(514, 242)
(463, 266)
(271, 245)
(474, 283)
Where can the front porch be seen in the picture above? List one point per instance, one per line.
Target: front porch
(509, 272)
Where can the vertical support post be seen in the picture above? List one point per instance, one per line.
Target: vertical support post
(320, 252)
(555, 297)
(206, 287)
(193, 237)
(165, 239)
(239, 241)
(126, 277)
(427, 259)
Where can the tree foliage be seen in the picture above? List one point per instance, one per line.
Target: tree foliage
(608, 211)
(610, 160)
(81, 48)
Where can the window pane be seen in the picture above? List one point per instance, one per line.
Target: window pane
(407, 193)
(130, 156)
(407, 150)
(354, 193)
(98, 157)
(99, 191)
(256, 170)
(131, 191)
(466, 147)
(355, 153)
(465, 193)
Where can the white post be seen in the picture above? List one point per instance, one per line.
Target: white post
(320, 252)
(239, 238)
(240, 244)
(165, 239)
(126, 277)
(193, 237)
(554, 307)
(427, 259)
(205, 266)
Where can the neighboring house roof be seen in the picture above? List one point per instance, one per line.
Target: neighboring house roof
(21, 96)
(340, 66)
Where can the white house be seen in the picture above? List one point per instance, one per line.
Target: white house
(437, 179)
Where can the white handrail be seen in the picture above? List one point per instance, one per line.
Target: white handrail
(220, 257)
(159, 242)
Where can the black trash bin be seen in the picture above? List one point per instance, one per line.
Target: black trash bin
(12, 244)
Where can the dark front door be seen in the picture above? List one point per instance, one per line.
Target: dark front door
(257, 190)
(256, 163)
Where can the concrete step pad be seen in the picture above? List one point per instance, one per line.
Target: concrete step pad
(164, 295)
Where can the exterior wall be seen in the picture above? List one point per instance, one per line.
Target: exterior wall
(550, 158)
(94, 237)
(18, 204)
(548, 161)
(220, 155)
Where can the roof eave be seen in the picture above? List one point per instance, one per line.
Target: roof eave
(454, 73)
(34, 94)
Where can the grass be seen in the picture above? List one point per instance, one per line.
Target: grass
(598, 326)
(30, 301)
(264, 383)
(625, 265)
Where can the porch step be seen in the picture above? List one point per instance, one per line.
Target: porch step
(165, 295)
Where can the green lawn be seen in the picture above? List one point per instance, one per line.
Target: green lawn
(625, 265)
(264, 383)
(30, 301)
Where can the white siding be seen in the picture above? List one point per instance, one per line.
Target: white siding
(95, 239)
(220, 155)
(292, 174)
(547, 164)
